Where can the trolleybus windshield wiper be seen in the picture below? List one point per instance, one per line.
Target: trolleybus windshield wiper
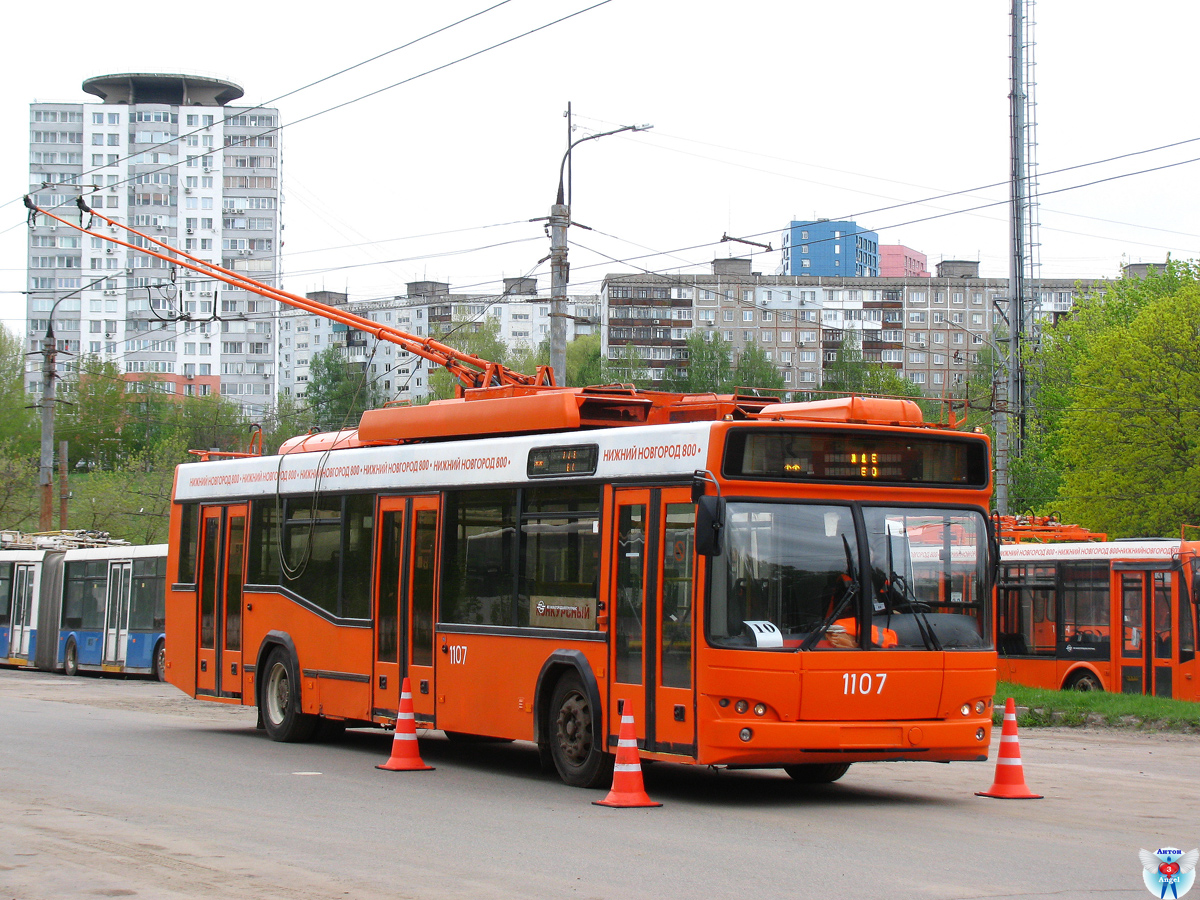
(900, 583)
(850, 593)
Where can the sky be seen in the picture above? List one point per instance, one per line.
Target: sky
(761, 113)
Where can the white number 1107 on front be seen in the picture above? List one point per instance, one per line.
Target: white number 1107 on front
(864, 683)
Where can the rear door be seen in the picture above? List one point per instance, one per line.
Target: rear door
(22, 610)
(221, 573)
(1149, 648)
(116, 612)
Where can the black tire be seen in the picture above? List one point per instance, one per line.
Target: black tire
(279, 701)
(817, 773)
(578, 752)
(1083, 681)
(71, 658)
(160, 661)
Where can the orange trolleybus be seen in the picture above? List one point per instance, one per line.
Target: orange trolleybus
(743, 585)
(1115, 615)
(738, 573)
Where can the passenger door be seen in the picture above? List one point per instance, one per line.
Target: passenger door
(116, 612)
(404, 592)
(652, 599)
(221, 570)
(22, 611)
(1150, 638)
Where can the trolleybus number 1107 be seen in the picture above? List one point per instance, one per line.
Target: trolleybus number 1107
(863, 683)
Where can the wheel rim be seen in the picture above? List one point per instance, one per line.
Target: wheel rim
(160, 662)
(72, 663)
(279, 693)
(575, 729)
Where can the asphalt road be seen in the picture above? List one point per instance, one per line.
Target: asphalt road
(114, 788)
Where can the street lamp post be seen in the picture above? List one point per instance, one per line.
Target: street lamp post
(49, 373)
(560, 219)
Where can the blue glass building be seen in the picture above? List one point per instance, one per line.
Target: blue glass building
(824, 247)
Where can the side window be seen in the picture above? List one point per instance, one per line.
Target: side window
(560, 558)
(479, 577)
(1085, 608)
(189, 537)
(146, 597)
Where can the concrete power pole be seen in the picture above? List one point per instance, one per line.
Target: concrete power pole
(46, 463)
(560, 217)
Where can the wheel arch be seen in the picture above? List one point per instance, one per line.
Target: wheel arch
(1082, 668)
(272, 640)
(556, 665)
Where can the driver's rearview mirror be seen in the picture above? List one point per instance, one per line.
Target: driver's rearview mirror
(710, 519)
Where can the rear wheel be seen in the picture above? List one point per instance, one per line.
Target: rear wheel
(578, 753)
(817, 773)
(280, 701)
(160, 661)
(71, 658)
(1084, 681)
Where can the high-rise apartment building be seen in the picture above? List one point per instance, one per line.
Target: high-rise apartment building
(824, 247)
(170, 156)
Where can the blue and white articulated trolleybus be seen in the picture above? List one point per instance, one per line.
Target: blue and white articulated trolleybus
(72, 603)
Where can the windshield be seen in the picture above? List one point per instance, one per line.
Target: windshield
(790, 578)
(928, 576)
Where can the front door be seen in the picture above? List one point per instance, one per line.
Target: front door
(653, 602)
(222, 575)
(1150, 640)
(116, 612)
(22, 611)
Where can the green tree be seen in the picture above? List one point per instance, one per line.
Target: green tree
(709, 368)
(1055, 368)
(627, 367)
(19, 423)
(338, 393)
(584, 366)
(476, 336)
(851, 373)
(1130, 436)
(95, 414)
(754, 370)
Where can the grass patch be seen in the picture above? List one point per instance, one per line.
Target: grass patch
(1097, 708)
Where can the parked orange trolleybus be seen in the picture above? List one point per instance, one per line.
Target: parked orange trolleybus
(760, 583)
(1113, 615)
(745, 586)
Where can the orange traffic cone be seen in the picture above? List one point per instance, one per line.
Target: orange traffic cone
(627, 788)
(405, 755)
(1010, 775)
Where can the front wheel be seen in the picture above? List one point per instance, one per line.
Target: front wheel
(817, 773)
(280, 702)
(71, 658)
(160, 661)
(578, 753)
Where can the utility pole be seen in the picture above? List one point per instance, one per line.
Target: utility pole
(560, 269)
(49, 373)
(46, 463)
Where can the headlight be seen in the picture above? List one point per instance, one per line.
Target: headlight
(980, 706)
(745, 734)
(741, 706)
(965, 709)
(760, 709)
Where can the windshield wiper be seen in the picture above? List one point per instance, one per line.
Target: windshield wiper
(924, 626)
(851, 592)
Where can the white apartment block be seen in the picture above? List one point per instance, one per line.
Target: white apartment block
(427, 309)
(929, 329)
(168, 155)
